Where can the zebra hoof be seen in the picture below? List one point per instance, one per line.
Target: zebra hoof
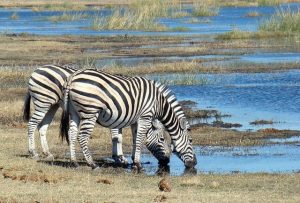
(50, 157)
(120, 161)
(95, 167)
(137, 168)
(164, 161)
(35, 157)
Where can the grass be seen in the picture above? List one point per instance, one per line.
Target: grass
(180, 29)
(202, 9)
(238, 34)
(198, 20)
(14, 16)
(253, 14)
(141, 15)
(283, 21)
(268, 2)
(180, 79)
(69, 16)
(62, 6)
(262, 122)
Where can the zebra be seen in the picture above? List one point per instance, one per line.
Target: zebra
(116, 101)
(45, 87)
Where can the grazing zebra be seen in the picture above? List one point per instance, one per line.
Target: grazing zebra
(46, 90)
(116, 101)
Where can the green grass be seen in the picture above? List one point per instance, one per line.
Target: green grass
(253, 14)
(14, 16)
(180, 29)
(180, 79)
(268, 2)
(238, 34)
(59, 7)
(202, 9)
(283, 21)
(141, 15)
(67, 16)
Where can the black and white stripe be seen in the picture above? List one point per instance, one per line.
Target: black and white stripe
(116, 101)
(46, 90)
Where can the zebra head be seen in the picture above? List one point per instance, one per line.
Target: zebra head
(182, 143)
(156, 143)
(171, 115)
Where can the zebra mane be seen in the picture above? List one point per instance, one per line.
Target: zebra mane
(170, 96)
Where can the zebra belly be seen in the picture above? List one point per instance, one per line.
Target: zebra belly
(106, 119)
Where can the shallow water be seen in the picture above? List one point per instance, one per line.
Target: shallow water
(248, 97)
(252, 58)
(229, 18)
(279, 158)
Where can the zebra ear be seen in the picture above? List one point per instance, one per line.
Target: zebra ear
(183, 123)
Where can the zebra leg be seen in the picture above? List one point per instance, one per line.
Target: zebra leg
(143, 126)
(42, 128)
(86, 129)
(117, 152)
(73, 133)
(34, 121)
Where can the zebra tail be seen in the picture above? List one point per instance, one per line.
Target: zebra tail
(26, 107)
(65, 119)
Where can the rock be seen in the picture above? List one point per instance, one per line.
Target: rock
(164, 185)
(105, 181)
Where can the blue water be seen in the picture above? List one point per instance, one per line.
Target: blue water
(260, 57)
(229, 18)
(248, 97)
(279, 158)
(271, 57)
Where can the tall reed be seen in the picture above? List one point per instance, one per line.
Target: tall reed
(284, 20)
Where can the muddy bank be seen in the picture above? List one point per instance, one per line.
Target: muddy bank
(177, 54)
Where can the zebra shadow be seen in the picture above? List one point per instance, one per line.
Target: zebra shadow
(69, 164)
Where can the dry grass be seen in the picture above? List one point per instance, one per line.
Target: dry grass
(204, 9)
(62, 5)
(237, 34)
(253, 14)
(25, 180)
(69, 16)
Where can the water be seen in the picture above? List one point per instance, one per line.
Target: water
(229, 18)
(271, 57)
(135, 61)
(252, 58)
(279, 158)
(248, 97)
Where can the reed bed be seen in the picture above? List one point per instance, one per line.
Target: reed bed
(142, 15)
(284, 20)
(69, 16)
(204, 9)
(238, 34)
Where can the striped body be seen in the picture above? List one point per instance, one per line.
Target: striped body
(116, 101)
